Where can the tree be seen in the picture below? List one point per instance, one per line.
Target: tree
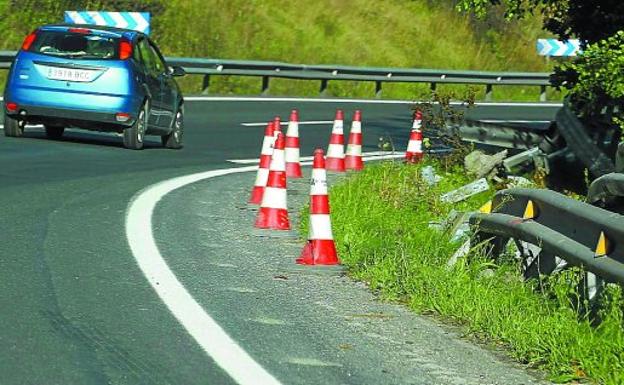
(595, 79)
(588, 20)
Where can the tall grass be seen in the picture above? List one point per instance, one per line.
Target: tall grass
(401, 33)
(381, 223)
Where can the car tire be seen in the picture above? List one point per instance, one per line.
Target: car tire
(13, 127)
(134, 135)
(174, 138)
(54, 132)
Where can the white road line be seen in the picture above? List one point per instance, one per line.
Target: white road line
(361, 101)
(304, 123)
(207, 333)
(309, 158)
(235, 361)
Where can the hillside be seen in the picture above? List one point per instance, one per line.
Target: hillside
(401, 33)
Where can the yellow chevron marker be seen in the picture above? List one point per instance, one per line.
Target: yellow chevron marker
(530, 212)
(486, 208)
(602, 248)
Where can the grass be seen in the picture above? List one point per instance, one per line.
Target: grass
(392, 33)
(381, 219)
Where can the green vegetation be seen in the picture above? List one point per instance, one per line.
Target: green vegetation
(595, 79)
(564, 18)
(401, 33)
(381, 222)
(598, 81)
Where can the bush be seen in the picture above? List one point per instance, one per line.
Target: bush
(596, 79)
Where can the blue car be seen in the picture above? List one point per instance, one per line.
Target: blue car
(94, 78)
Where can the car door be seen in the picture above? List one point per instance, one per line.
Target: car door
(151, 80)
(168, 88)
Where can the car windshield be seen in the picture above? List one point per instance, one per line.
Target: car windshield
(75, 45)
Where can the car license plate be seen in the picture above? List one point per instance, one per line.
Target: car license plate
(69, 74)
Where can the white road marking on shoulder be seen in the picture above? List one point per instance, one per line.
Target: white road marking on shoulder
(304, 123)
(361, 101)
(235, 361)
(365, 155)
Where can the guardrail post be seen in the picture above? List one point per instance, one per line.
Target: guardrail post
(488, 92)
(205, 84)
(542, 93)
(265, 85)
(378, 89)
(323, 89)
(433, 86)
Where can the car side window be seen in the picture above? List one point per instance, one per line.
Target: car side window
(158, 62)
(136, 54)
(146, 57)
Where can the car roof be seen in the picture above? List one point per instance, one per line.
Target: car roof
(128, 33)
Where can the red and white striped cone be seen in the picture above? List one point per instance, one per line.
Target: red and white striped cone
(263, 168)
(353, 158)
(414, 153)
(320, 249)
(335, 152)
(277, 122)
(293, 166)
(273, 213)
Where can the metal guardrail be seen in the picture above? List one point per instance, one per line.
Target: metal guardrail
(326, 73)
(496, 135)
(579, 141)
(581, 234)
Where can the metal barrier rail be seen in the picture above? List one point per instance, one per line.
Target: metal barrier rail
(326, 73)
(578, 138)
(581, 234)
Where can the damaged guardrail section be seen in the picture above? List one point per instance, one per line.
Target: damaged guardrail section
(561, 227)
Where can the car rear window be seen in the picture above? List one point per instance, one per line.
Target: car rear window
(75, 45)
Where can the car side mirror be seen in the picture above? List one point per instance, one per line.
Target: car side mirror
(176, 71)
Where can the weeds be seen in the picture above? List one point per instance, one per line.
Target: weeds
(381, 219)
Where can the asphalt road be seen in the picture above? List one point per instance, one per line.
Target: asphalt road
(76, 308)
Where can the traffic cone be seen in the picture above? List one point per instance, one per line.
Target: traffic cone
(353, 159)
(320, 249)
(263, 168)
(273, 213)
(335, 151)
(414, 151)
(277, 121)
(293, 167)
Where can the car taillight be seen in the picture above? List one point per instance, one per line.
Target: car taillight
(122, 117)
(29, 40)
(80, 30)
(11, 107)
(125, 49)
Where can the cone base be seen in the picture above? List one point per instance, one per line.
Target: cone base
(293, 170)
(319, 252)
(256, 195)
(411, 157)
(335, 164)
(274, 219)
(354, 163)
(306, 257)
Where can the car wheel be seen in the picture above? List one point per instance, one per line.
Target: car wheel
(174, 138)
(13, 127)
(54, 132)
(134, 135)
